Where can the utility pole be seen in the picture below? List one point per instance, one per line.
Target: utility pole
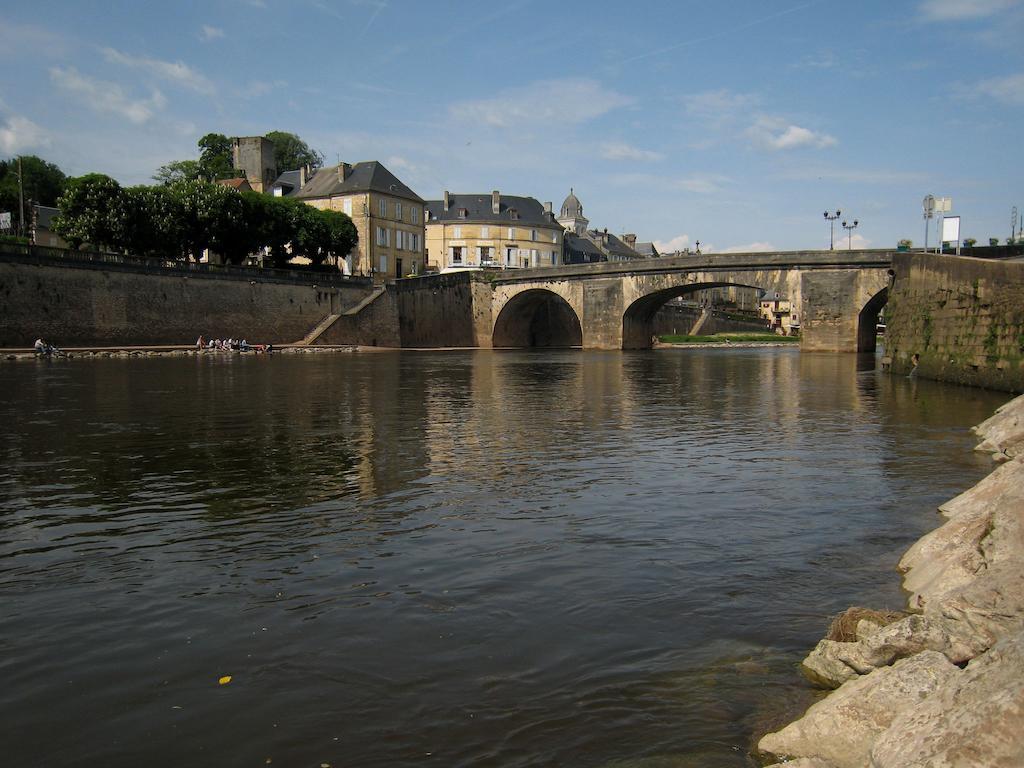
(21, 201)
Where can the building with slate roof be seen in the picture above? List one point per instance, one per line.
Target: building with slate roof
(289, 183)
(387, 214)
(612, 248)
(491, 230)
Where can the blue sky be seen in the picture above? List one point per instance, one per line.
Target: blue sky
(736, 123)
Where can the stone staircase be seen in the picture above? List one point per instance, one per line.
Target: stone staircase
(705, 315)
(331, 319)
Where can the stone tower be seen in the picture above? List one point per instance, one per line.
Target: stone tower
(255, 156)
(571, 216)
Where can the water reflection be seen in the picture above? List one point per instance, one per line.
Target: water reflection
(459, 558)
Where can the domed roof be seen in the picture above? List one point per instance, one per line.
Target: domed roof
(572, 207)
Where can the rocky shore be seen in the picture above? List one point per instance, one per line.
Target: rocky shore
(943, 683)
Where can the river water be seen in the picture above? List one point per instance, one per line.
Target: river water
(447, 559)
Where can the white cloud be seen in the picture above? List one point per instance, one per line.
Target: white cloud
(758, 247)
(1009, 89)
(623, 151)
(18, 134)
(844, 241)
(677, 243)
(208, 33)
(702, 183)
(256, 88)
(718, 106)
(958, 10)
(855, 176)
(566, 101)
(775, 133)
(104, 96)
(176, 72)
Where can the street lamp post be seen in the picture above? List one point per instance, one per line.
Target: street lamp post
(849, 231)
(831, 217)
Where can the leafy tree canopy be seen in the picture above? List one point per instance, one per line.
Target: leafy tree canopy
(178, 170)
(43, 183)
(291, 152)
(215, 160)
(92, 210)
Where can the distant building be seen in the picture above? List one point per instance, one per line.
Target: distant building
(612, 248)
(289, 183)
(491, 230)
(777, 311)
(240, 184)
(387, 214)
(254, 156)
(581, 250)
(42, 232)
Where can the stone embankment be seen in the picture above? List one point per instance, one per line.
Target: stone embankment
(943, 684)
(103, 352)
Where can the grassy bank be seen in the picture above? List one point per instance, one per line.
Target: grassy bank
(729, 338)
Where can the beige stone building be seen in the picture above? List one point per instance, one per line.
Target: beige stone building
(495, 230)
(779, 314)
(387, 214)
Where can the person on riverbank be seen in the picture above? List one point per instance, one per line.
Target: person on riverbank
(200, 342)
(42, 349)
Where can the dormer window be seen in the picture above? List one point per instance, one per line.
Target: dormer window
(463, 213)
(513, 214)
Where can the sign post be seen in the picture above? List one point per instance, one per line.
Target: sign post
(951, 231)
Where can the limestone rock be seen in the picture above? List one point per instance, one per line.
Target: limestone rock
(985, 526)
(805, 762)
(1003, 433)
(831, 664)
(842, 727)
(975, 719)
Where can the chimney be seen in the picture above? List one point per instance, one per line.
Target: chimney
(547, 207)
(604, 236)
(342, 171)
(629, 240)
(495, 202)
(302, 175)
(446, 200)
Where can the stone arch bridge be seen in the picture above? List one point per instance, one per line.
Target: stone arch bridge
(612, 305)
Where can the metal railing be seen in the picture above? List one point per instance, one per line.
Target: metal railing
(46, 255)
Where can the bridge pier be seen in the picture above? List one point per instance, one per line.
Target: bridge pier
(839, 309)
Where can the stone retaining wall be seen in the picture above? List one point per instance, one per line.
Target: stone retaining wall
(962, 318)
(85, 305)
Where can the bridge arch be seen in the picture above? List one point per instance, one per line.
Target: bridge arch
(638, 318)
(867, 321)
(537, 317)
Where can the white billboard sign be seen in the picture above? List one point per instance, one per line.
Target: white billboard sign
(943, 204)
(951, 229)
(5, 220)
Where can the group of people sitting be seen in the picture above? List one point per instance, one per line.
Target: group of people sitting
(232, 345)
(45, 350)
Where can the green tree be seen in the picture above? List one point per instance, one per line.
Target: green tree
(178, 170)
(43, 183)
(271, 224)
(153, 226)
(291, 152)
(993, 241)
(92, 210)
(343, 235)
(203, 211)
(215, 160)
(970, 242)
